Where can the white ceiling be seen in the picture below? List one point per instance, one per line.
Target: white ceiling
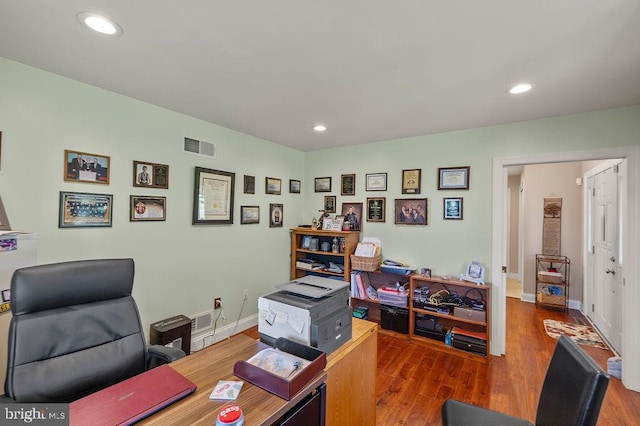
(370, 70)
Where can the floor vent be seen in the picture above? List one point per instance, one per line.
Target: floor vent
(193, 146)
(201, 322)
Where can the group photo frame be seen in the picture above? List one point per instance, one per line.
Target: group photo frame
(82, 210)
(150, 175)
(86, 167)
(410, 211)
(213, 197)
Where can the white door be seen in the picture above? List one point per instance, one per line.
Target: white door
(604, 269)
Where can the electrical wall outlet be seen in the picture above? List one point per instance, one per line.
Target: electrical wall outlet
(245, 294)
(217, 303)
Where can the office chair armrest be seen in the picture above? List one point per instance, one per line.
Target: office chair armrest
(159, 355)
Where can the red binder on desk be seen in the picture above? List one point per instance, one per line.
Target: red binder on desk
(131, 400)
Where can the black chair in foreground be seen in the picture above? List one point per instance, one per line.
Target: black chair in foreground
(572, 394)
(75, 330)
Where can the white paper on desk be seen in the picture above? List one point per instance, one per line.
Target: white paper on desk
(365, 250)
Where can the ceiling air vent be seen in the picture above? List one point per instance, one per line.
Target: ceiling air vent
(193, 146)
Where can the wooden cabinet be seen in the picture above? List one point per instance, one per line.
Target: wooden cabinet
(304, 252)
(552, 281)
(422, 318)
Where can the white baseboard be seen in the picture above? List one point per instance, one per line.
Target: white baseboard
(208, 337)
(531, 298)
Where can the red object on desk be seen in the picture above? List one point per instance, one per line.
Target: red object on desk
(131, 400)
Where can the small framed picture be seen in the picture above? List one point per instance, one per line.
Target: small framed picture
(352, 213)
(80, 210)
(322, 184)
(306, 242)
(452, 208)
(150, 175)
(330, 203)
(249, 184)
(348, 184)
(376, 182)
(272, 186)
(275, 215)
(145, 208)
(249, 215)
(411, 211)
(376, 207)
(294, 186)
(86, 167)
(453, 177)
(411, 181)
(6, 295)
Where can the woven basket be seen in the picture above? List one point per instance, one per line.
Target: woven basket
(551, 299)
(368, 264)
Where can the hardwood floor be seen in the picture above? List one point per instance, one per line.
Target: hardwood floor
(414, 381)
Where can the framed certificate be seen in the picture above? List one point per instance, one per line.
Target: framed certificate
(213, 197)
(453, 177)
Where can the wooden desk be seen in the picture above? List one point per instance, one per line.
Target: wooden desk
(205, 368)
(350, 376)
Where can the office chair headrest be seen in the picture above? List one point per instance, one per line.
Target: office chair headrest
(43, 287)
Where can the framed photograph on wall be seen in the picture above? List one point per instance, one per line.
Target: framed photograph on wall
(294, 186)
(143, 208)
(453, 177)
(411, 181)
(411, 211)
(276, 217)
(249, 184)
(376, 182)
(348, 184)
(86, 167)
(352, 213)
(452, 208)
(150, 175)
(322, 184)
(213, 197)
(272, 186)
(249, 214)
(376, 207)
(330, 203)
(81, 210)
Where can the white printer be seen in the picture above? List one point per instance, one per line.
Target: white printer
(311, 310)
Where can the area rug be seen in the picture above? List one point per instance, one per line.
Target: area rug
(581, 334)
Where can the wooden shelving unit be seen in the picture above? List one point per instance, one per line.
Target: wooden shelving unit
(552, 277)
(298, 251)
(448, 320)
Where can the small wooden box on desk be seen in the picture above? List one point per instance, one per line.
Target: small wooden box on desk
(449, 320)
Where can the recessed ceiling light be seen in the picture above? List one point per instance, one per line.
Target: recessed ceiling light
(520, 88)
(100, 23)
(319, 127)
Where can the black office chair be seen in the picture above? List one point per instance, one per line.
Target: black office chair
(572, 394)
(75, 330)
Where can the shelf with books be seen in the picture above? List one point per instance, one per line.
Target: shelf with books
(308, 258)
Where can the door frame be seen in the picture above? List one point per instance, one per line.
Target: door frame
(631, 247)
